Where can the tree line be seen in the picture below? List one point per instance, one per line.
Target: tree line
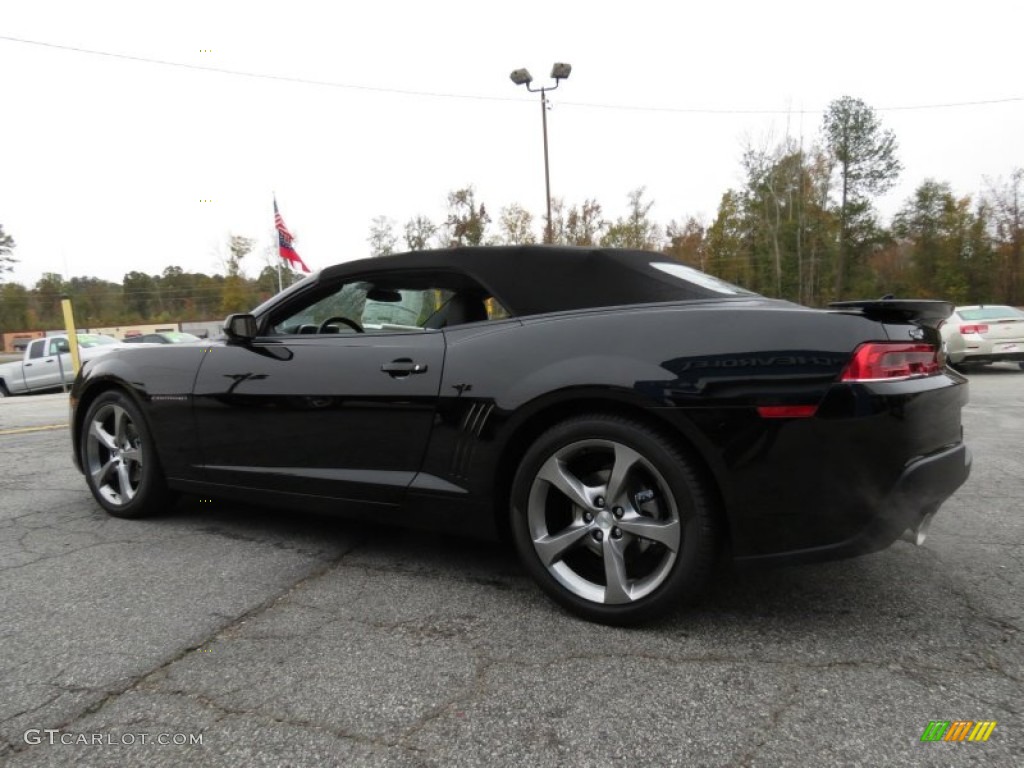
(802, 226)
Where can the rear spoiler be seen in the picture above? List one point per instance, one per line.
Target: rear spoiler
(929, 313)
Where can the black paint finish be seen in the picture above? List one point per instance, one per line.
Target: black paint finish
(320, 421)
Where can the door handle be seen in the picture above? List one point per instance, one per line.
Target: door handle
(403, 367)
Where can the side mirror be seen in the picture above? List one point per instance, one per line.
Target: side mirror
(240, 327)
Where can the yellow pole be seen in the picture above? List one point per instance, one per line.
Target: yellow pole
(69, 324)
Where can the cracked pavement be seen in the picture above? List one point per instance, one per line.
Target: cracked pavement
(287, 639)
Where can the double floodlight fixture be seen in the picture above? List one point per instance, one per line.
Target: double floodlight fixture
(559, 72)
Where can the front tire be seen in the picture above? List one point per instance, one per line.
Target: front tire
(119, 458)
(613, 520)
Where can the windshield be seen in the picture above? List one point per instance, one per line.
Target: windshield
(991, 313)
(94, 340)
(176, 337)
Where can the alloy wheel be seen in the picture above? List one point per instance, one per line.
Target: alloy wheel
(603, 521)
(114, 454)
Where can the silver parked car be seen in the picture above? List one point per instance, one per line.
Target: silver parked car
(984, 334)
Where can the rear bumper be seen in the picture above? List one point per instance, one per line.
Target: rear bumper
(987, 357)
(978, 350)
(924, 485)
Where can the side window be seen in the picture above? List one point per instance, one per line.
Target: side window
(57, 346)
(37, 348)
(339, 311)
(387, 304)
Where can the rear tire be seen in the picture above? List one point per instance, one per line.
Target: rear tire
(3, 390)
(613, 520)
(119, 458)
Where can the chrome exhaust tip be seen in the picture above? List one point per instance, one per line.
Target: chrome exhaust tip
(917, 534)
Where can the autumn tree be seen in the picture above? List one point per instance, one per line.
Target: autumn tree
(467, 222)
(584, 224)
(1005, 200)
(515, 225)
(864, 158)
(686, 242)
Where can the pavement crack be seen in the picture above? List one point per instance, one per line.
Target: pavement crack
(786, 701)
(470, 692)
(138, 681)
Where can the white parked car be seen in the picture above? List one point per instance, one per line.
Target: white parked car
(984, 334)
(46, 359)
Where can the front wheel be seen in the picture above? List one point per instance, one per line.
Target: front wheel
(119, 459)
(613, 520)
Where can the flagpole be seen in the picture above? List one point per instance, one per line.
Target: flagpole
(277, 257)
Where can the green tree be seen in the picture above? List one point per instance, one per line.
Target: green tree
(175, 288)
(7, 261)
(48, 292)
(636, 230)
(727, 242)
(140, 296)
(864, 156)
(95, 302)
(14, 308)
(266, 283)
(419, 233)
(946, 249)
(382, 237)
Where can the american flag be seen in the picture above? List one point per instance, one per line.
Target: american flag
(284, 242)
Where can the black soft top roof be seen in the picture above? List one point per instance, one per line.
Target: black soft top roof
(533, 279)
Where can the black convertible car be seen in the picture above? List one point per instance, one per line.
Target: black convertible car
(622, 417)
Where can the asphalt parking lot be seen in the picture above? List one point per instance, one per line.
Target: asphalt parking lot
(284, 639)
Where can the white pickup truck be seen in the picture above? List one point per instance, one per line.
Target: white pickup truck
(45, 360)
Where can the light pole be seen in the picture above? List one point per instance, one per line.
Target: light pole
(559, 72)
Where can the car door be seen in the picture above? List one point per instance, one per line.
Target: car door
(317, 408)
(42, 368)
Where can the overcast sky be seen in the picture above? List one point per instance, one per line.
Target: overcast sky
(106, 162)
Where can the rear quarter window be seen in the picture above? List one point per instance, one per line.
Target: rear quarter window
(991, 313)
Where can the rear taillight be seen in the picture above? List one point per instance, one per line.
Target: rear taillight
(976, 328)
(884, 360)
